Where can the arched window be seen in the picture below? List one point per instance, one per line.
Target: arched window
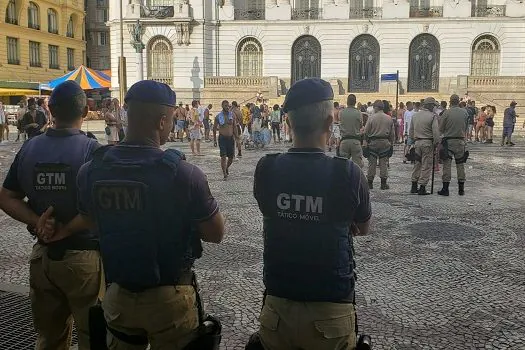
(160, 60)
(10, 14)
(423, 63)
(306, 58)
(485, 56)
(249, 58)
(33, 16)
(364, 64)
(52, 21)
(70, 28)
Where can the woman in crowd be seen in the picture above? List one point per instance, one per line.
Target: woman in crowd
(111, 116)
(276, 123)
(489, 123)
(480, 124)
(400, 122)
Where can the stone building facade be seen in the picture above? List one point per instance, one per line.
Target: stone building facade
(241, 46)
(97, 35)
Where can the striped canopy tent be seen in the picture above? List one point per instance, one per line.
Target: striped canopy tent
(87, 78)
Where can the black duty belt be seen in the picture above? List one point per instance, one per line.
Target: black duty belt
(378, 137)
(453, 138)
(425, 138)
(185, 279)
(351, 138)
(57, 250)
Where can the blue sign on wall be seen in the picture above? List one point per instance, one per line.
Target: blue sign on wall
(389, 77)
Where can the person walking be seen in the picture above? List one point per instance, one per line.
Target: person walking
(226, 124)
(148, 244)
(489, 123)
(379, 137)
(509, 120)
(3, 122)
(452, 127)
(194, 128)
(424, 130)
(276, 123)
(351, 124)
(65, 273)
(312, 205)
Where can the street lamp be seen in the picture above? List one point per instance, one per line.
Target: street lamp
(136, 32)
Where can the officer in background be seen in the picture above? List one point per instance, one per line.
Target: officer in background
(65, 276)
(424, 130)
(311, 205)
(351, 124)
(151, 208)
(453, 129)
(379, 137)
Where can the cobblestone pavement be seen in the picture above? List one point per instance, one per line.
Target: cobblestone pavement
(435, 273)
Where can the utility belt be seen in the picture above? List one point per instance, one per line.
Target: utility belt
(454, 138)
(57, 250)
(185, 279)
(425, 139)
(359, 137)
(208, 332)
(372, 138)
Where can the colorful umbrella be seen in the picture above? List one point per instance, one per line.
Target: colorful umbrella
(87, 78)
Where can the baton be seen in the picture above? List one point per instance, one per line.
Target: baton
(433, 170)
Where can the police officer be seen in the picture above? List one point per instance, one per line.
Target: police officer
(65, 276)
(379, 137)
(424, 130)
(151, 208)
(351, 124)
(309, 202)
(453, 129)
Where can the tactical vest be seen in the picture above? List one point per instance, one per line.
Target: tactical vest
(141, 213)
(308, 249)
(48, 166)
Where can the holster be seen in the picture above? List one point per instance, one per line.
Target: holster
(462, 160)
(57, 250)
(366, 152)
(411, 154)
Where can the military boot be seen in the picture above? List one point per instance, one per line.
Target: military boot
(413, 190)
(370, 184)
(422, 191)
(461, 190)
(444, 190)
(384, 185)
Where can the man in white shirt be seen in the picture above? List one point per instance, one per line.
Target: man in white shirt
(370, 109)
(407, 117)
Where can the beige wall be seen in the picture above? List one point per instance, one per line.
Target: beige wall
(23, 71)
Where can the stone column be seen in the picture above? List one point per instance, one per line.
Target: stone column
(336, 9)
(278, 10)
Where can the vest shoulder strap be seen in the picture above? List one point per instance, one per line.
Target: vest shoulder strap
(98, 154)
(172, 158)
(340, 189)
(263, 171)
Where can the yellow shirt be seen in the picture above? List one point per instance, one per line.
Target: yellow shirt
(245, 115)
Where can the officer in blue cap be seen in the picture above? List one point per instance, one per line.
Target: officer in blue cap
(65, 275)
(311, 205)
(151, 209)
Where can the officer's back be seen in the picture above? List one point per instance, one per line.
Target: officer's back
(65, 275)
(453, 122)
(309, 201)
(151, 208)
(422, 123)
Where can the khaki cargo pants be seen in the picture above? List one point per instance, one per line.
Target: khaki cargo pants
(423, 165)
(167, 315)
(287, 324)
(351, 149)
(377, 146)
(456, 148)
(61, 291)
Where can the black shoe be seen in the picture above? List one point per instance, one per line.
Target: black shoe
(413, 190)
(511, 144)
(444, 190)
(461, 190)
(384, 185)
(422, 191)
(371, 184)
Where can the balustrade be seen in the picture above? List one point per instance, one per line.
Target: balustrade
(369, 12)
(495, 82)
(249, 14)
(434, 11)
(157, 12)
(489, 11)
(306, 13)
(211, 82)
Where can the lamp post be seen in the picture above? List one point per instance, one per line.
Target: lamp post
(136, 32)
(123, 84)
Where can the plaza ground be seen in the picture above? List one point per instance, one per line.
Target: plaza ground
(435, 272)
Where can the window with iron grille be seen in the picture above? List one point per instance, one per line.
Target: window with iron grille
(160, 58)
(34, 54)
(53, 57)
(13, 55)
(10, 14)
(70, 59)
(485, 56)
(249, 58)
(70, 28)
(52, 21)
(33, 16)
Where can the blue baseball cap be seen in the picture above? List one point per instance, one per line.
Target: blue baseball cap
(65, 91)
(149, 91)
(307, 91)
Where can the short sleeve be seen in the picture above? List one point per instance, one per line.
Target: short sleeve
(11, 182)
(203, 205)
(84, 197)
(363, 211)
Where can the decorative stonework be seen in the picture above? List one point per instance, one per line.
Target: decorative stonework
(183, 33)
